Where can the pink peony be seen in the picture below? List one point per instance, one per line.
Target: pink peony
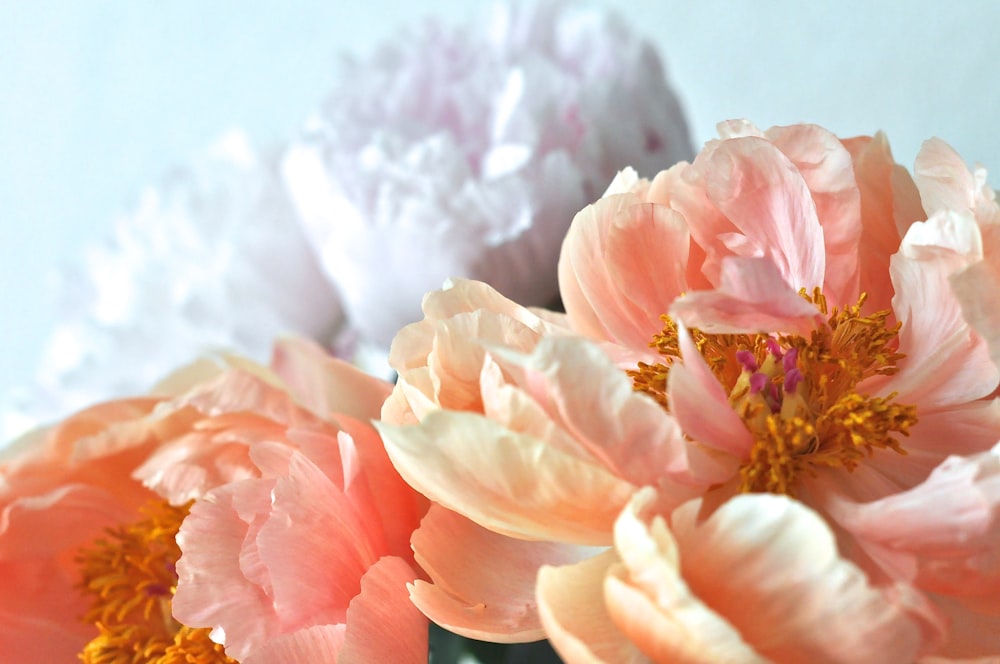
(776, 317)
(466, 150)
(226, 429)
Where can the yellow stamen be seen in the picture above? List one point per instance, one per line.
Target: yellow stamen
(131, 578)
(798, 396)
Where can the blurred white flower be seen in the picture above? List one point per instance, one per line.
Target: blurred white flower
(211, 260)
(466, 151)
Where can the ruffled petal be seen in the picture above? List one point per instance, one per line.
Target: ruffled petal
(382, 624)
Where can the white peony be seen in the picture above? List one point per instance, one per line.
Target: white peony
(466, 151)
(211, 260)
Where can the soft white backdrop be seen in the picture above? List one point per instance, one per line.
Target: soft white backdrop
(99, 98)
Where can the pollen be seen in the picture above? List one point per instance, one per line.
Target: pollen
(130, 576)
(802, 398)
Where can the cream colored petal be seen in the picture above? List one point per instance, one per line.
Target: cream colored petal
(510, 483)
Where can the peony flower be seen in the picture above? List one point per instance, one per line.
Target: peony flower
(211, 260)
(132, 469)
(776, 317)
(465, 151)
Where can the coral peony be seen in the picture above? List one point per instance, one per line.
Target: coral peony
(212, 259)
(131, 469)
(776, 317)
(465, 151)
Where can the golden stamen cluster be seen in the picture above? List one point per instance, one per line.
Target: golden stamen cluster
(818, 420)
(131, 576)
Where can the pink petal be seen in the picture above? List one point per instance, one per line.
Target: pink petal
(943, 179)
(762, 193)
(214, 589)
(826, 167)
(950, 523)
(319, 643)
(326, 385)
(511, 483)
(643, 241)
(976, 288)
(702, 406)
(571, 607)
(889, 204)
(482, 584)
(753, 297)
(946, 362)
(382, 624)
(597, 298)
(787, 590)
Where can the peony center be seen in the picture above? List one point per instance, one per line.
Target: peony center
(802, 399)
(130, 577)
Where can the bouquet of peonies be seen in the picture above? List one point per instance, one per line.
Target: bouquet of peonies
(761, 427)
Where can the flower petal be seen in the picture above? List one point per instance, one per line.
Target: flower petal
(510, 483)
(319, 643)
(798, 599)
(571, 606)
(467, 595)
(382, 624)
(753, 297)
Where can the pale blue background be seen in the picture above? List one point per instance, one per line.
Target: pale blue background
(98, 98)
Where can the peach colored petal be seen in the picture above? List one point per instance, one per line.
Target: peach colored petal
(787, 590)
(324, 384)
(511, 483)
(467, 595)
(644, 240)
(753, 297)
(946, 362)
(382, 624)
(594, 401)
(319, 643)
(762, 193)
(592, 294)
(950, 523)
(889, 204)
(702, 407)
(571, 607)
(826, 167)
